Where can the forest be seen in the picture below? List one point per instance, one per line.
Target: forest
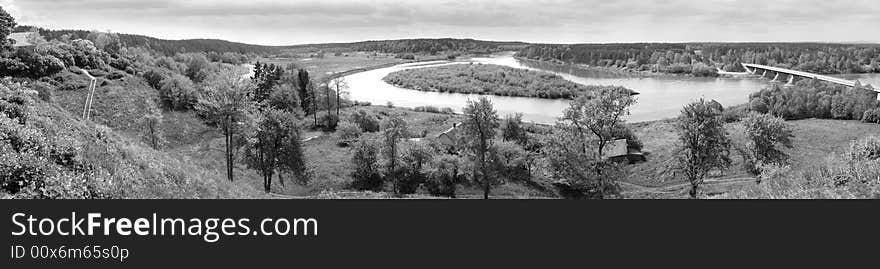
(814, 99)
(822, 58)
(167, 47)
(489, 79)
(421, 46)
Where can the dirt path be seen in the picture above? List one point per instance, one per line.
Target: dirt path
(635, 188)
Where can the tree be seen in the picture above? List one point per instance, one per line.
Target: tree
(365, 159)
(266, 77)
(341, 85)
(704, 142)
(7, 23)
(227, 104)
(177, 92)
(275, 146)
(478, 129)
(512, 129)
(444, 175)
(766, 134)
(153, 133)
(394, 128)
(303, 84)
(415, 156)
(600, 114)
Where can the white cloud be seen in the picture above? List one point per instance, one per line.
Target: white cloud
(310, 21)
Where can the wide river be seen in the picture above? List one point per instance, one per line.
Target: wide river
(659, 97)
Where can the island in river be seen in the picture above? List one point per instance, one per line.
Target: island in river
(476, 78)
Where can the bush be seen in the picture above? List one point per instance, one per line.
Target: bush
(348, 132)
(703, 70)
(177, 92)
(365, 158)
(867, 149)
(329, 122)
(44, 91)
(365, 120)
(735, 113)
(443, 175)
(872, 116)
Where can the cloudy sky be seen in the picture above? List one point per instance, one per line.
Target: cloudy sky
(278, 22)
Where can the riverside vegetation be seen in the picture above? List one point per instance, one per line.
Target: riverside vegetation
(490, 79)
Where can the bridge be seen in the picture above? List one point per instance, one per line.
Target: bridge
(763, 70)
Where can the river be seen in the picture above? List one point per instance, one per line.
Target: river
(659, 97)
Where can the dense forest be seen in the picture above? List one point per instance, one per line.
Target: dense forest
(822, 58)
(814, 99)
(167, 47)
(488, 79)
(422, 46)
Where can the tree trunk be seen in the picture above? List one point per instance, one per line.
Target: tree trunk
(693, 191)
(228, 135)
(327, 92)
(337, 101)
(315, 107)
(485, 187)
(281, 179)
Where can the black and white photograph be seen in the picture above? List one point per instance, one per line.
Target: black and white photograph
(387, 99)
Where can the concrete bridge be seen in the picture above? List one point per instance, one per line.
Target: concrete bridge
(763, 70)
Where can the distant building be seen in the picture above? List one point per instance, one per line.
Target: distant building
(620, 151)
(23, 39)
(449, 138)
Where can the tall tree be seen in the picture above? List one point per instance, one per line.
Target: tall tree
(478, 129)
(341, 85)
(394, 128)
(266, 77)
(7, 23)
(704, 142)
(227, 104)
(303, 83)
(275, 146)
(767, 136)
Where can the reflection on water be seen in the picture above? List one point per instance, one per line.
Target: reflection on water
(659, 98)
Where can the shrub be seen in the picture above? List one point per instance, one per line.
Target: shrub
(443, 175)
(872, 116)
(365, 120)
(365, 158)
(347, 132)
(703, 70)
(735, 113)
(329, 122)
(512, 129)
(867, 149)
(177, 92)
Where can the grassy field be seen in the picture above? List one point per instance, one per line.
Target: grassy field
(817, 142)
(329, 64)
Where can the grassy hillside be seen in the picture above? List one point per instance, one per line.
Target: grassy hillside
(818, 156)
(49, 152)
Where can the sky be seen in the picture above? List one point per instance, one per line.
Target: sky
(276, 22)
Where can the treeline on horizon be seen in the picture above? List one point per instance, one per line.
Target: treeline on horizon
(822, 58)
(167, 47)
